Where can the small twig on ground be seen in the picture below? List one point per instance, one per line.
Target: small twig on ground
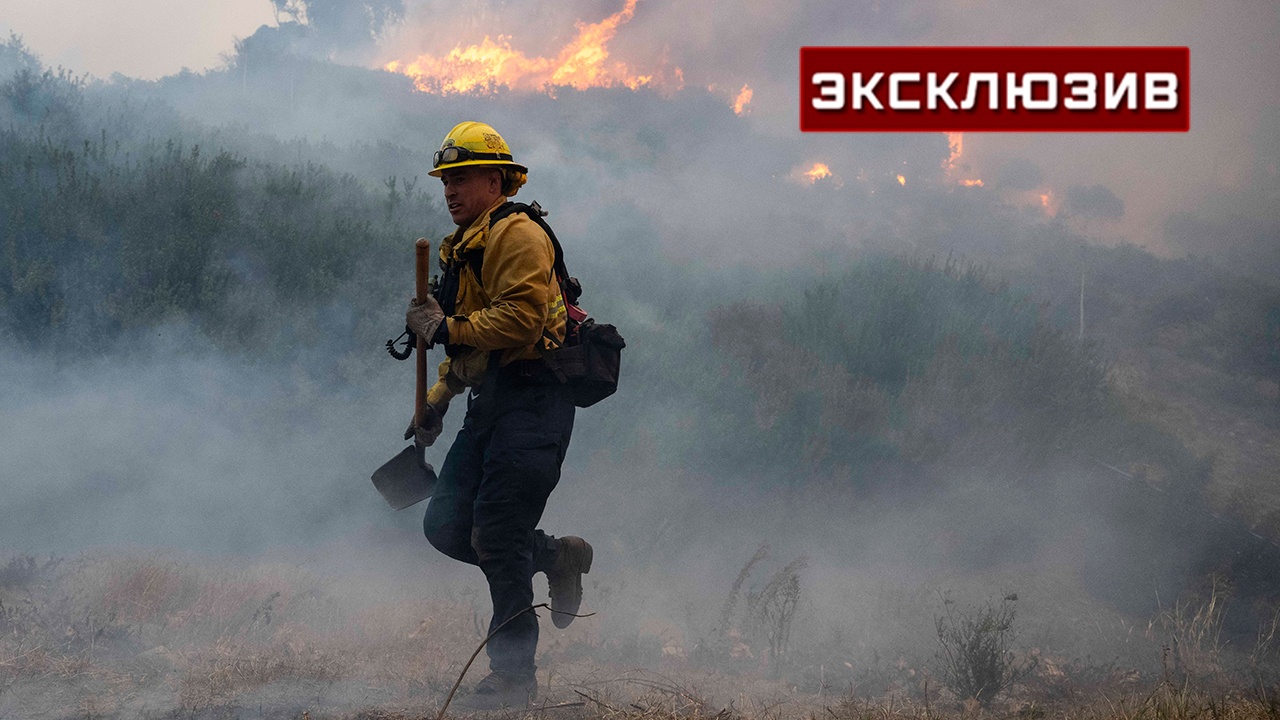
(449, 698)
(556, 707)
(597, 701)
(16, 658)
(669, 688)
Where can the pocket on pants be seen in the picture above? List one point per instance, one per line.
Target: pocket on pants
(532, 457)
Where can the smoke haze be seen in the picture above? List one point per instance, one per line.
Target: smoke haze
(861, 350)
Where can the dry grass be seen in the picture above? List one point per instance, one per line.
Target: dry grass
(153, 636)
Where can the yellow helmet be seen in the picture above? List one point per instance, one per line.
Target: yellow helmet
(474, 143)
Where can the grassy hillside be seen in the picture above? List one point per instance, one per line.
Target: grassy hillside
(102, 240)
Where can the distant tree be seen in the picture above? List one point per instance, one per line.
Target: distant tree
(15, 56)
(1094, 201)
(341, 23)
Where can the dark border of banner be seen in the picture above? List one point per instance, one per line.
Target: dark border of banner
(1186, 52)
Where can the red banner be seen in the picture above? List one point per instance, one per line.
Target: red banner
(995, 89)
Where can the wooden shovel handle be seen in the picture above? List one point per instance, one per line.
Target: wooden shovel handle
(422, 288)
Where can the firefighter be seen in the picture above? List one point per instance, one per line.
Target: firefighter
(496, 302)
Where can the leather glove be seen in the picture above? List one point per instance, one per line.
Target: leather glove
(424, 317)
(432, 425)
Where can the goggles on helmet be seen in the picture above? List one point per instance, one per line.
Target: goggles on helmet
(454, 154)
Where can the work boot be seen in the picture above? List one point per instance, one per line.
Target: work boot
(499, 690)
(573, 559)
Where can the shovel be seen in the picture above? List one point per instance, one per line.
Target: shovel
(407, 478)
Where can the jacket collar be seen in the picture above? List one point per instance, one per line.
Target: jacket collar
(474, 237)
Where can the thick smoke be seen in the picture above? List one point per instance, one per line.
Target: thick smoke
(330, 29)
(727, 44)
(678, 212)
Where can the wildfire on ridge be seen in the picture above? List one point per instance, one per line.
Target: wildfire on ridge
(744, 98)
(955, 141)
(491, 64)
(818, 172)
(815, 174)
(1050, 203)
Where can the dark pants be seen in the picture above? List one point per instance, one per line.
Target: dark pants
(489, 498)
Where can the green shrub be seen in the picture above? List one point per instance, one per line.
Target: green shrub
(904, 359)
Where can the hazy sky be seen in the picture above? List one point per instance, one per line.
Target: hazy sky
(140, 38)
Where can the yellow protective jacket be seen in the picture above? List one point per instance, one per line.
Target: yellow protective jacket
(507, 308)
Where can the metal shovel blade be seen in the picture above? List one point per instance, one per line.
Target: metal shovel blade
(405, 479)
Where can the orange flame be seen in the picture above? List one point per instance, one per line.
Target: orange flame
(1049, 203)
(902, 180)
(955, 141)
(493, 64)
(744, 98)
(818, 172)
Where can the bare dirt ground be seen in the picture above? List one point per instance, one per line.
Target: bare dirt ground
(155, 636)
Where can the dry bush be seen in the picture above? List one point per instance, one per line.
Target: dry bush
(976, 659)
(761, 629)
(1263, 662)
(1190, 633)
(729, 611)
(771, 610)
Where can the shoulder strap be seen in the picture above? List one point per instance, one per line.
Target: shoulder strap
(475, 259)
(568, 286)
(447, 289)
